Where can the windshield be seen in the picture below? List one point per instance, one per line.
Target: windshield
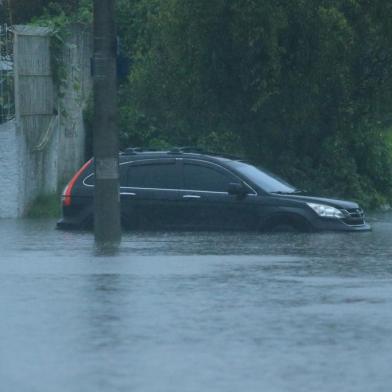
(265, 180)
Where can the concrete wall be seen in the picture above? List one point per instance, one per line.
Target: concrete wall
(35, 109)
(75, 95)
(9, 170)
(44, 146)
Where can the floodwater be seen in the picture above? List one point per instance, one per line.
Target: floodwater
(195, 312)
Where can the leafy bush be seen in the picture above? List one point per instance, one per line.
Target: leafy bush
(303, 88)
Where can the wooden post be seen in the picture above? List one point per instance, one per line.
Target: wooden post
(107, 225)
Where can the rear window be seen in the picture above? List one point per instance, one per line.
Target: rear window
(89, 180)
(162, 175)
(158, 176)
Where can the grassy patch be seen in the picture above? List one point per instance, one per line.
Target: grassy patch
(45, 206)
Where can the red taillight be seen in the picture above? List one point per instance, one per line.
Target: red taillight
(68, 188)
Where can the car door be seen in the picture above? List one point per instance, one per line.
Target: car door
(206, 203)
(150, 192)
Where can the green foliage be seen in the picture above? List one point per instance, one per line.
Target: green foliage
(45, 206)
(58, 15)
(302, 87)
(23, 11)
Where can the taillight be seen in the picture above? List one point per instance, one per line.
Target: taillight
(68, 189)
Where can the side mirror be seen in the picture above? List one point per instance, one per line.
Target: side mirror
(237, 188)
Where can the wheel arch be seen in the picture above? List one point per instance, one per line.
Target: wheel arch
(287, 219)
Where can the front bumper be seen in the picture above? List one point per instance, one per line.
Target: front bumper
(326, 224)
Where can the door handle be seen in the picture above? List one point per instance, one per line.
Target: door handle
(127, 194)
(191, 197)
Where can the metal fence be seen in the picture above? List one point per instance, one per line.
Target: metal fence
(7, 106)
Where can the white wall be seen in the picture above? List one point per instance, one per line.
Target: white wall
(9, 171)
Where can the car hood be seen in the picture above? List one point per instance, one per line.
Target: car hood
(320, 200)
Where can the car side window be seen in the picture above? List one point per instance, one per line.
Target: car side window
(203, 178)
(153, 175)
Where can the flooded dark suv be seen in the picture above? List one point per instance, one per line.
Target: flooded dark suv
(188, 189)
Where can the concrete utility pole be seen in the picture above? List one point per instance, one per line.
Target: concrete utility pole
(107, 225)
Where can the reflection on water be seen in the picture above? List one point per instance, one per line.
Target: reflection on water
(195, 311)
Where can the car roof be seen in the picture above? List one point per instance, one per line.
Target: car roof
(134, 154)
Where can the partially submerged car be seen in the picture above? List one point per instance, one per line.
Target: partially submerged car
(189, 189)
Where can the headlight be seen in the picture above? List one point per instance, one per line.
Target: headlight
(326, 211)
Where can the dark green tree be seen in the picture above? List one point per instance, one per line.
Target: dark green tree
(304, 87)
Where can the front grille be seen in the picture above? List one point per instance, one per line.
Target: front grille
(354, 216)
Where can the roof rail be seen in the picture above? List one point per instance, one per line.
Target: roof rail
(187, 149)
(228, 156)
(181, 150)
(199, 150)
(135, 150)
